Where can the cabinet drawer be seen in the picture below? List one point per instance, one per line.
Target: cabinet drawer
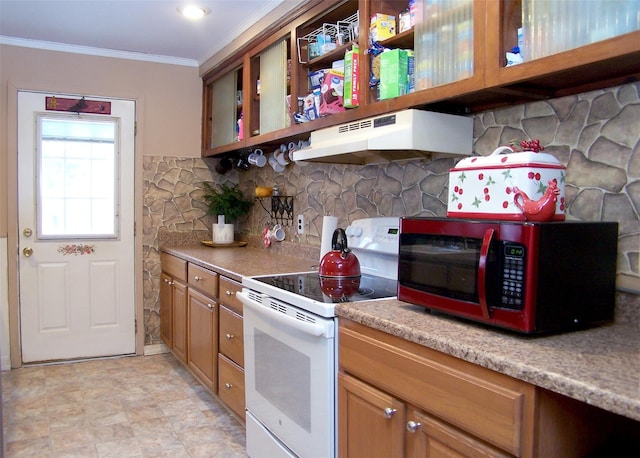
(491, 406)
(228, 290)
(174, 266)
(204, 280)
(231, 335)
(231, 385)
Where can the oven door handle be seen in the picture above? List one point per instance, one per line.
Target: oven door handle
(482, 273)
(314, 329)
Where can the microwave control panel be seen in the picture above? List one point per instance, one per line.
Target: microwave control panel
(513, 275)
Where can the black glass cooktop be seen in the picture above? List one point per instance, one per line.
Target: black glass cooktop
(310, 285)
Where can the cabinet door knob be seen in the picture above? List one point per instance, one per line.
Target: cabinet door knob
(228, 386)
(413, 426)
(211, 306)
(388, 412)
(229, 336)
(228, 293)
(196, 278)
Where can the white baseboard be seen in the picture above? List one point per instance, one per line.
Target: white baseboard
(155, 349)
(5, 363)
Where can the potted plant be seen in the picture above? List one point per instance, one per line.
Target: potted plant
(228, 204)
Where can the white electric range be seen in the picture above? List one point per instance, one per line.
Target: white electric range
(290, 347)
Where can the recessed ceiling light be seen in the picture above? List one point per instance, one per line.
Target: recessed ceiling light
(193, 11)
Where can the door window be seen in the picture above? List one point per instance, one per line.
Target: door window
(77, 178)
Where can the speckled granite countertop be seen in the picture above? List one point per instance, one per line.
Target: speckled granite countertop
(599, 366)
(236, 263)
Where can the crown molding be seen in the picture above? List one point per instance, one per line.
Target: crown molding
(87, 50)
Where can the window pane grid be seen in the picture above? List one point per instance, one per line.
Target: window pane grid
(77, 168)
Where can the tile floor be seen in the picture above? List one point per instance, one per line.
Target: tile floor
(145, 406)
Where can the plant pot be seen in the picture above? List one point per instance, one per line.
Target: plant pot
(222, 234)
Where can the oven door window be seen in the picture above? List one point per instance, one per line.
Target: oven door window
(282, 375)
(443, 265)
(290, 382)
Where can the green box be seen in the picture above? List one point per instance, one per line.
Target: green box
(351, 78)
(393, 73)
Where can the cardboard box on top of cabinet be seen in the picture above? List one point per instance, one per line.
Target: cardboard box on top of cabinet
(332, 93)
(382, 26)
(394, 67)
(351, 80)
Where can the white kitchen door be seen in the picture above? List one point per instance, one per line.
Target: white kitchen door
(76, 229)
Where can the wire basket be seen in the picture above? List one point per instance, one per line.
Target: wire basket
(327, 38)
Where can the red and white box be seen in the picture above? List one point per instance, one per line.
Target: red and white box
(482, 187)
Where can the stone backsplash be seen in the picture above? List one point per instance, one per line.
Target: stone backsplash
(595, 134)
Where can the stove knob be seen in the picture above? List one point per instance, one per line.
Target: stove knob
(354, 231)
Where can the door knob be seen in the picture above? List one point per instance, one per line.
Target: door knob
(27, 251)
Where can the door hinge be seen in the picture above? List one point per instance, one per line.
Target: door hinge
(135, 326)
(135, 128)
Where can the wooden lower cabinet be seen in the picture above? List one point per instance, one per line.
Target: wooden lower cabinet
(480, 405)
(379, 424)
(173, 305)
(201, 322)
(370, 421)
(400, 399)
(429, 437)
(203, 338)
(179, 316)
(231, 348)
(231, 385)
(166, 309)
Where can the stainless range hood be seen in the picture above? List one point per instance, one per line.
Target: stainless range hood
(403, 135)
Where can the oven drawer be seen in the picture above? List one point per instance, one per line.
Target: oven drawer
(231, 385)
(204, 280)
(488, 405)
(174, 266)
(228, 290)
(231, 335)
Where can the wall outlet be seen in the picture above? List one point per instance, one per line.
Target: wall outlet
(300, 224)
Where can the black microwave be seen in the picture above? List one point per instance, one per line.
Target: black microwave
(523, 276)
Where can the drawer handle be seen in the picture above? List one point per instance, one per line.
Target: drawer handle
(228, 386)
(230, 336)
(229, 293)
(413, 426)
(196, 278)
(388, 412)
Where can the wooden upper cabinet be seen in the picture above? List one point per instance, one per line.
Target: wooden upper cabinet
(222, 111)
(602, 63)
(460, 64)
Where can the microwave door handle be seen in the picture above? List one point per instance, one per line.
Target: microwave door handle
(482, 273)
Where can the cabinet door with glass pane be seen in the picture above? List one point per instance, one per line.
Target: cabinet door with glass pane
(270, 89)
(223, 112)
(566, 47)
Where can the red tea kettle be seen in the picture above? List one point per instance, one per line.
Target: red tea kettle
(340, 261)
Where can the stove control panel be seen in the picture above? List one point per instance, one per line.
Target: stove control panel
(380, 234)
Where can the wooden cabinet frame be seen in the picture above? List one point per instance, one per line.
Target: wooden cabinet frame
(603, 64)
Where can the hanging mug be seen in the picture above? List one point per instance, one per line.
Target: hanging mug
(275, 165)
(257, 158)
(277, 233)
